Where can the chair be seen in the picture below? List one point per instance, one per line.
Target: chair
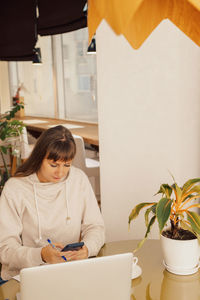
(20, 148)
(88, 165)
(25, 147)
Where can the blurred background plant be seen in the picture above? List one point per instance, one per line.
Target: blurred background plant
(10, 131)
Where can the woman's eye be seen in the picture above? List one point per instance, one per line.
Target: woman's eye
(54, 166)
(67, 165)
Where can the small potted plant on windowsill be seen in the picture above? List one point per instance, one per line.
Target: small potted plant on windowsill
(10, 130)
(179, 241)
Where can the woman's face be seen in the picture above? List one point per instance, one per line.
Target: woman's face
(53, 171)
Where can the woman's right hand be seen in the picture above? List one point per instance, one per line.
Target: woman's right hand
(52, 255)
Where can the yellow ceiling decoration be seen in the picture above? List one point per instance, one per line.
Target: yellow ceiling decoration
(136, 19)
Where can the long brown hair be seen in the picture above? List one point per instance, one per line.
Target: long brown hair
(56, 143)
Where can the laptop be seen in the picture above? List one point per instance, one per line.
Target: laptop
(100, 278)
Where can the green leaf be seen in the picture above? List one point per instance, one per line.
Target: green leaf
(140, 244)
(194, 220)
(12, 114)
(12, 128)
(154, 209)
(136, 210)
(4, 124)
(195, 189)
(165, 189)
(185, 226)
(149, 226)
(177, 191)
(163, 210)
(188, 184)
(148, 211)
(198, 237)
(3, 136)
(189, 196)
(3, 149)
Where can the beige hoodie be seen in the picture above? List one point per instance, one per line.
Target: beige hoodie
(31, 212)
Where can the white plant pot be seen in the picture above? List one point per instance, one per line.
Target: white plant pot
(180, 256)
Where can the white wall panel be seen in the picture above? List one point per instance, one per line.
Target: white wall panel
(149, 120)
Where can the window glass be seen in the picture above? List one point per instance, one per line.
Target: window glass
(79, 77)
(64, 85)
(36, 82)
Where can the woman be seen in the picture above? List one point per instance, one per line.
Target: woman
(48, 198)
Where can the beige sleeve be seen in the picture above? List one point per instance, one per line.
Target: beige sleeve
(12, 253)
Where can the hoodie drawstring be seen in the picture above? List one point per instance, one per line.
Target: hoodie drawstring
(68, 219)
(38, 216)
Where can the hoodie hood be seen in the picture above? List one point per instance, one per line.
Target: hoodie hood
(49, 192)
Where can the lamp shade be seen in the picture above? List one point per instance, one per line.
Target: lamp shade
(92, 47)
(17, 30)
(37, 59)
(22, 21)
(60, 16)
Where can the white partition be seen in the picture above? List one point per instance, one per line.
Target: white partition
(149, 120)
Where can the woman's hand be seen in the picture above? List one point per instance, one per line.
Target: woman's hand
(52, 255)
(76, 254)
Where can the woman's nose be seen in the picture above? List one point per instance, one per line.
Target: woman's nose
(60, 172)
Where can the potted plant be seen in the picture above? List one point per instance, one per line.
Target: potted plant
(179, 225)
(10, 130)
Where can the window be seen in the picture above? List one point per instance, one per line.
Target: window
(36, 82)
(64, 86)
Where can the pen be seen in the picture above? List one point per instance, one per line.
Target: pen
(49, 241)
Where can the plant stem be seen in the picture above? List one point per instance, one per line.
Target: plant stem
(174, 226)
(4, 163)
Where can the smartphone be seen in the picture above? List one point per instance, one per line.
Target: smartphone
(72, 247)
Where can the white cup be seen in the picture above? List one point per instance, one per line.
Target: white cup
(135, 260)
